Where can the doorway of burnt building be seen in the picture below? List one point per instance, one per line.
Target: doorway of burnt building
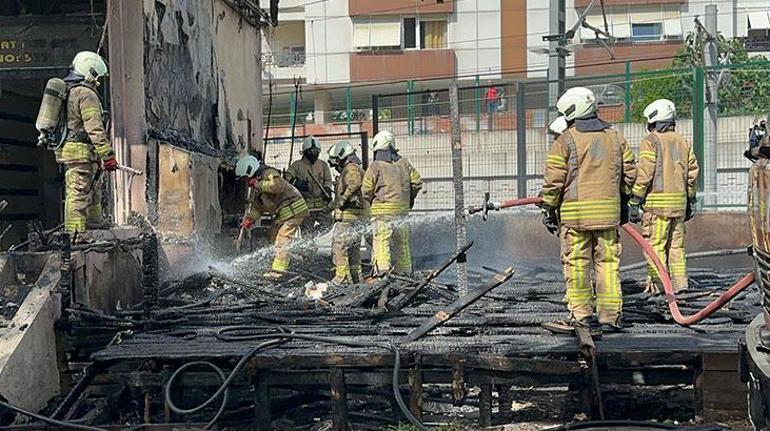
(38, 39)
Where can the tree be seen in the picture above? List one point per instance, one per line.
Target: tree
(743, 88)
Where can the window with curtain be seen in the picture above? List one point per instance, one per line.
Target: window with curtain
(433, 34)
(377, 35)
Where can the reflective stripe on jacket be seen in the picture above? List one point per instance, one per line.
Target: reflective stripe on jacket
(87, 139)
(585, 173)
(274, 195)
(349, 200)
(667, 174)
(391, 187)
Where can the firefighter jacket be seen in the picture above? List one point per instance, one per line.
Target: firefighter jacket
(274, 195)
(301, 171)
(391, 186)
(86, 136)
(585, 174)
(666, 174)
(349, 202)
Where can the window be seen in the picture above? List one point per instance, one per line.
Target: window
(377, 35)
(410, 33)
(432, 34)
(646, 31)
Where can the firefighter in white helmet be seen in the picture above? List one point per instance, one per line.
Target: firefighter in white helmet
(665, 188)
(272, 195)
(86, 150)
(349, 211)
(313, 178)
(587, 170)
(558, 126)
(390, 186)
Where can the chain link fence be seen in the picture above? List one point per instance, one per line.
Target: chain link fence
(498, 142)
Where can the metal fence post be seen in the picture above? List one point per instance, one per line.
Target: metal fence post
(698, 104)
(375, 114)
(349, 105)
(627, 116)
(478, 103)
(521, 140)
(457, 180)
(410, 106)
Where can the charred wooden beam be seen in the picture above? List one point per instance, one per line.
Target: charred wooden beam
(442, 316)
(415, 388)
(485, 405)
(262, 414)
(504, 403)
(339, 400)
(403, 301)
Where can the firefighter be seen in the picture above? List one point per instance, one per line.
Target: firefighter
(275, 196)
(665, 189)
(587, 170)
(86, 150)
(313, 178)
(390, 186)
(349, 212)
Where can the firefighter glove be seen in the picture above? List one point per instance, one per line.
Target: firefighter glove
(110, 164)
(550, 218)
(247, 223)
(635, 210)
(690, 212)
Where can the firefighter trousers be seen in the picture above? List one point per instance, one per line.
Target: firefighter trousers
(390, 231)
(346, 251)
(283, 234)
(82, 197)
(666, 237)
(591, 259)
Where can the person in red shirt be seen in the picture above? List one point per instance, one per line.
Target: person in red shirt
(492, 99)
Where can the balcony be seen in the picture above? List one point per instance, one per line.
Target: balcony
(412, 64)
(399, 7)
(283, 65)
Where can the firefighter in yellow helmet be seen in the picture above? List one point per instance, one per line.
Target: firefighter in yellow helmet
(273, 195)
(86, 150)
(665, 189)
(313, 178)
(349, 211)
(390, 186)
(587, 170)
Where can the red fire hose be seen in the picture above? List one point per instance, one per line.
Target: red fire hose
(715, 305)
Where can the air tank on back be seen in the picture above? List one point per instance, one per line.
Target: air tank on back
(49, 115)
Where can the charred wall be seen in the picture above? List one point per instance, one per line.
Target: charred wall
(202, 74)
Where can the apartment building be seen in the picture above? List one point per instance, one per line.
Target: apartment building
(333, 43)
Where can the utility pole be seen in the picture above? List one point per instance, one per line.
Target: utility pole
(557, 54)
(457, 178)
(710, 58)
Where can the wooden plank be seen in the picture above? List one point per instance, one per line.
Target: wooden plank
(262, 413)
(485, 405)
(504, 403)
(720, 381)
(721, 361)
(339, 400)
(415, 389)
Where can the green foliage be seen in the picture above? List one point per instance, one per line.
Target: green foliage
(744, 86)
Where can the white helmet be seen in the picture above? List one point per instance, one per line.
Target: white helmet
(558, 126)
(577, 103)
(383, 141)
(660, 110)
(340, 150)
(89, 64)
(310, 142)
(247, 166)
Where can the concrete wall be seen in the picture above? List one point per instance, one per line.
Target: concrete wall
(473, 33)
(328, 41)
(517, 237)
